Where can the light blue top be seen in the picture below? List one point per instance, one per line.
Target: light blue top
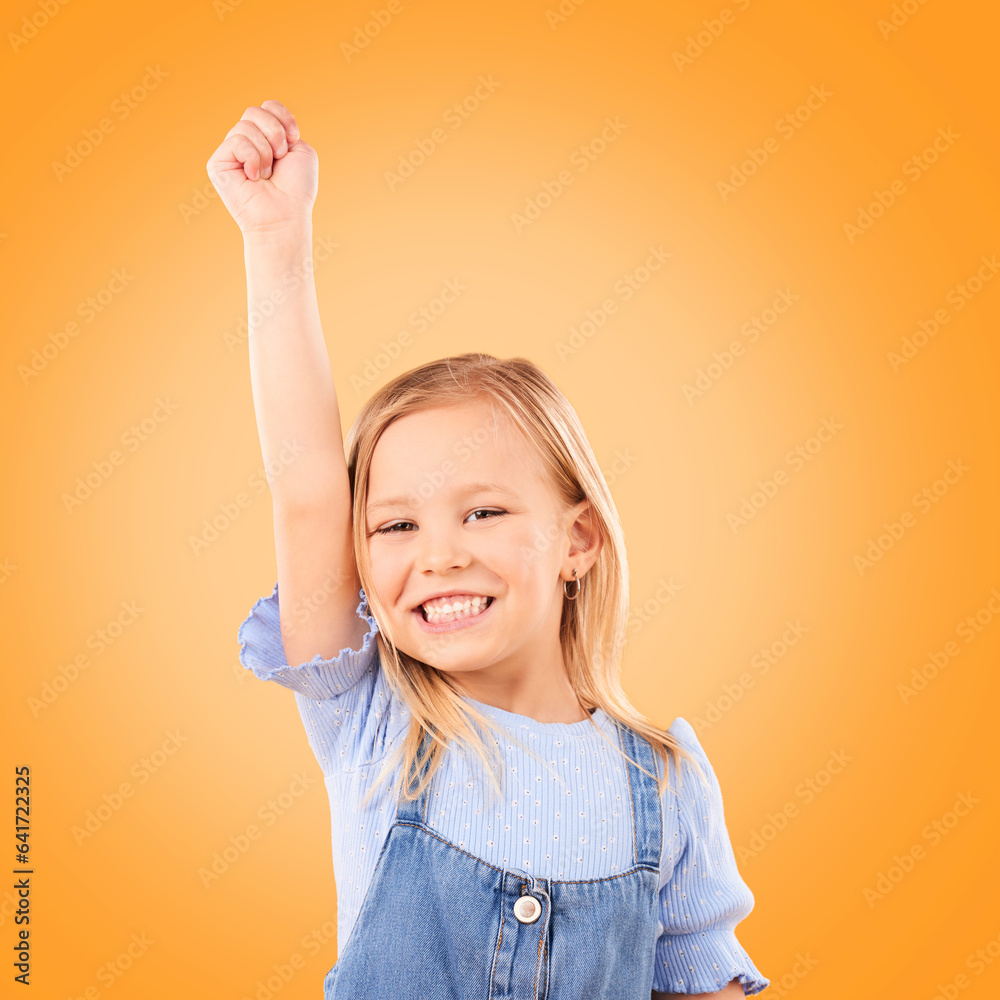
(565, 813)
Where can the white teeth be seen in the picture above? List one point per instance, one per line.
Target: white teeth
(457, 609)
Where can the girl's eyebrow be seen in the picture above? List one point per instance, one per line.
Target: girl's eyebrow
(405, 500)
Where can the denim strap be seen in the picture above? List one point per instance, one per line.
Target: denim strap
(415, 810)
(646, 807)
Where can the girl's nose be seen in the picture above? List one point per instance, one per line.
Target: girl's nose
(440, 551)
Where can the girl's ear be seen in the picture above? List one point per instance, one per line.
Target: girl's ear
(586, 540)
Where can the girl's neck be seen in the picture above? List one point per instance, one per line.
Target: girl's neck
(543, 699)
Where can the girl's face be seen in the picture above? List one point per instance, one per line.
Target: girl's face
(458, 503)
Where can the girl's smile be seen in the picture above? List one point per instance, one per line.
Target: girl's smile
(452, 614)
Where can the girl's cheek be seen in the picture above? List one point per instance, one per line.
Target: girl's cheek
(380, 574)
(388, 571)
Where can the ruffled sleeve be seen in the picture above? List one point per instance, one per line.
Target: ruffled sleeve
(705, 897)
(262, 651)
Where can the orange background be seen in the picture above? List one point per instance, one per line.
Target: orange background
(138, 203)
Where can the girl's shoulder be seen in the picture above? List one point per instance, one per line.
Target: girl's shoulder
(695, 766)
(683, 732)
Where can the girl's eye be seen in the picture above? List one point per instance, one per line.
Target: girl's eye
(486, 510)
(391, 529)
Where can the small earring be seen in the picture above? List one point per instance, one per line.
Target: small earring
(576, 592)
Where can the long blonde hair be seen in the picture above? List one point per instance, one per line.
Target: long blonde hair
(592, 627)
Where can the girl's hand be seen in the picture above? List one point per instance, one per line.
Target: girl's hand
(265, 174)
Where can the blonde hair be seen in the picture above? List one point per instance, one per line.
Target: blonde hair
(592, 627)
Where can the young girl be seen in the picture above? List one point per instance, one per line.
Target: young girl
(505, 823)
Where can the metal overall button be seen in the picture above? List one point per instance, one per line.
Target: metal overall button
(527, 909)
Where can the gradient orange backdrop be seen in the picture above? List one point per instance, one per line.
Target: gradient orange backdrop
(781, 153)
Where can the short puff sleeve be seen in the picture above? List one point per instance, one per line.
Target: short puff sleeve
(262, 651)
(705, 897)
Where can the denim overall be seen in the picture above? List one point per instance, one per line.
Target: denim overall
(438, 923)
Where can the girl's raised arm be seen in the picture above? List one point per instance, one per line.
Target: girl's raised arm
(267, 178)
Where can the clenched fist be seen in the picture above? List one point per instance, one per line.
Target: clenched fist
(266, 176)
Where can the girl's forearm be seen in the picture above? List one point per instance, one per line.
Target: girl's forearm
(295, 401)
